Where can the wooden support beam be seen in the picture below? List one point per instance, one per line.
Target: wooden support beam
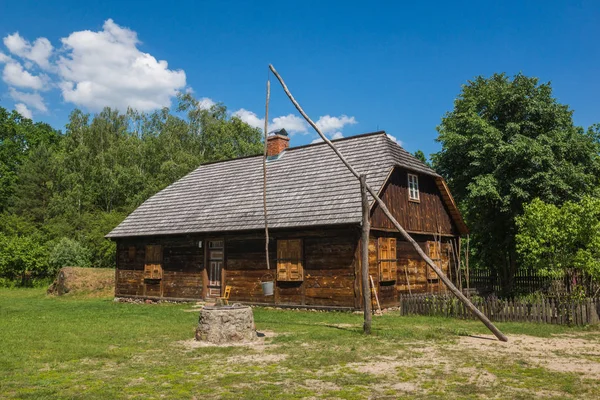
(387, 212)
(265, 174)
(364, 241)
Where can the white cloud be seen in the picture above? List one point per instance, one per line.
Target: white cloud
(329, 124)
(4, 58)
(317, 140)
(292, 123)
(250, 118)
(205, 103)
(15, 75)
(107, 69)
(23, 110)
(39, 52)
(393, 138)
(31, 99)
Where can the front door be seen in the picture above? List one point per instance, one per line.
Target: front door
(215, 267)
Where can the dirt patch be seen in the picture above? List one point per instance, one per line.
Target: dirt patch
(558, 353)
(321, 386)
(258, 358)
(258, 344)
(77, 280)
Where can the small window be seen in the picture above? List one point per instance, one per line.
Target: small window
(388, 262)
(215, 244)
(413, 187)
(290, 265)
(131, 254)
(153, 266)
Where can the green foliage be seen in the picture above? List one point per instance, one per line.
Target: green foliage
(69, 253)
(22, 257)
(419, 155)
(507, 142)
(561, 241)
(18, 136)
(66, 192)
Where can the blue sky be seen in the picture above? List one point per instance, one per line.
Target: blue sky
(367, 65)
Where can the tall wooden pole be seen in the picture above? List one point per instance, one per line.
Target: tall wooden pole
(265, 174)
(364, 252)
(399, 227)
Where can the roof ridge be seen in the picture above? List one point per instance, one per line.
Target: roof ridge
(412, 158)
(361, 135)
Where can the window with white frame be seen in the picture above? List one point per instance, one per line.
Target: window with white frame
(413, 187)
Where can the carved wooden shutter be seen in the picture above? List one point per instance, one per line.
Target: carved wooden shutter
(282, 262)
(153, 266)
(388, 264)
(289, 260)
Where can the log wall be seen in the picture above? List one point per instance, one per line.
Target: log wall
(421, 279)
(428, 215)
(330, 265)
(183, 266)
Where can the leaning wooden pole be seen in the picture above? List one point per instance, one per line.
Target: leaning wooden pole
(265, 174)
(364, 252)
(388, 214)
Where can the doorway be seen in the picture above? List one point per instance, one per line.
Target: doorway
(215, 267)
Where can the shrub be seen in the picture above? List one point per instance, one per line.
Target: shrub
(69, 253)
(22, 257)
(561, 241)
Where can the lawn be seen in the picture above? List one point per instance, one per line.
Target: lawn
(77, 347)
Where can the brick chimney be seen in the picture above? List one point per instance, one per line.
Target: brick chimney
(277, 141)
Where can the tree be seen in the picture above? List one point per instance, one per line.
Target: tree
(35, 184)
(18, 136)
(561, 241)
(506, 142)
(22, 257)
(66, 192)
(69, 253)
(419, 155)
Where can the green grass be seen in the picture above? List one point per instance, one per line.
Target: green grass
(77, 347)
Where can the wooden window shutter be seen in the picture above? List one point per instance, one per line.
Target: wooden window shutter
(154, 258)
(282, 262)
(131, 254)
(289, 260)
(388, 264)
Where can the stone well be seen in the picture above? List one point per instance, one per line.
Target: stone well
(226, 324)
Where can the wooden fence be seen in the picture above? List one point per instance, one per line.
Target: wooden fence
(526, 281)
(549, 311)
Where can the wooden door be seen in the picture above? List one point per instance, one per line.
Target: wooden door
(215, 267)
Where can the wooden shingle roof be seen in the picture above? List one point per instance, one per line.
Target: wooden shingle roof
(307, 186)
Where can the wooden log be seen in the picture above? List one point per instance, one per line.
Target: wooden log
(265, 175)
(366, 227)
(385, 210)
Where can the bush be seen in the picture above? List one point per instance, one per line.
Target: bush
(69, 253)
(561, 241)
(22, 257)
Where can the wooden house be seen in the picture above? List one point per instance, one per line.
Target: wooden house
(206, 231)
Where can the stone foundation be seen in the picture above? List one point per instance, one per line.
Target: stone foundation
(226, 324)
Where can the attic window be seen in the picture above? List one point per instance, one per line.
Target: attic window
(413, 187)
